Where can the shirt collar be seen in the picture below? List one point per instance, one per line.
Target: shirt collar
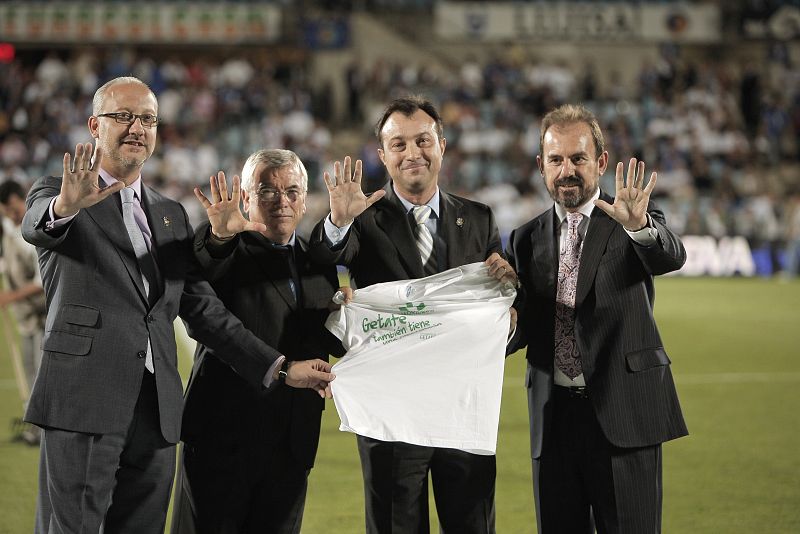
(290, 243)
(433, 202)
(136, 185)
(585, 209)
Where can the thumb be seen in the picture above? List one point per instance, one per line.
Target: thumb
(251, 226)
(605, 206)
(374, 197)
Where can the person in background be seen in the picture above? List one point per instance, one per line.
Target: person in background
(247, 454)
(600, 391)
(23, 292)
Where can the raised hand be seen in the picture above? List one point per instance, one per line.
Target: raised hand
(224, 214)
(631, 199)
(347, 199)
(79, 182)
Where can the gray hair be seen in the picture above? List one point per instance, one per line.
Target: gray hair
(571, 114)
(273, 158)
(99, 99)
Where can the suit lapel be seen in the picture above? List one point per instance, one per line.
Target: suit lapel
(108, 217)
(391, 217)
(600, 228)
(454, 227)
(161, 228)
(545, 256)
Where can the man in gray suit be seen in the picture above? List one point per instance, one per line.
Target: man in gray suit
(600, 391)
(117, 270)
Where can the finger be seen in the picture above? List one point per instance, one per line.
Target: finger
(67, 164)
(605, 206)
(618, 177)
(214, 189)
(493, 258)
(374, 197)
(357, 173)
(631, 174)
(202, 198)
(328, 392)
(347, 175)
(651, 184)
(223, 186)
(78, 161)
(640, 176)
(337, 173)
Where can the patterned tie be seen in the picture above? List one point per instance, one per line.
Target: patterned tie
(139, 234)
(425, 240)
(568, 359)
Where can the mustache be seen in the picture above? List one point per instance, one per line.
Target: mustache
(568, 181)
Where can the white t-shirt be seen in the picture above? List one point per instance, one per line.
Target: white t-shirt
(425, 359)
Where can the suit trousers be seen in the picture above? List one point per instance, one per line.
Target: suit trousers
(120, 481)
(396, 488)
(583, 482)
(240, 487)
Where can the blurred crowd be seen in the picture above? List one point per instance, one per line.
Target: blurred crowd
(723, 136)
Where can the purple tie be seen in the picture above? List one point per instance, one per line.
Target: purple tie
(568, 359)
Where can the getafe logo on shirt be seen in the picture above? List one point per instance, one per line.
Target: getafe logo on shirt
(409, 308)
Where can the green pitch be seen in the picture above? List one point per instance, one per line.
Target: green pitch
(735, 349)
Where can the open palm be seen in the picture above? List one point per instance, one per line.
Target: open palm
(348, 201)
(631, 199)
(224, 213)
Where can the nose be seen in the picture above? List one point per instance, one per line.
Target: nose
(568, 168)
(136, 126)
(283, 199)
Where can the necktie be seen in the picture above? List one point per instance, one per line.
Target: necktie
(424, 239)
(139, 234)
(567, 357)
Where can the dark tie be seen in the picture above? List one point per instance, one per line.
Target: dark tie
(424, 239)
(567, 357)
(287, 251)
(139, 234)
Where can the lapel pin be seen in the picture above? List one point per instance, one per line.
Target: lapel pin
(459, 222)
(167, 222)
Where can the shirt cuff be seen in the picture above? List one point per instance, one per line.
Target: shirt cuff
(269, 379)
(647, 235)
(54, 222)
(333, 233)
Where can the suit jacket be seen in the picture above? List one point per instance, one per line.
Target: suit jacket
(252, 279)
(99, 318)
(624, 362)
(380, 246)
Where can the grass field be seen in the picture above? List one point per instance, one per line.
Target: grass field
(735, 349)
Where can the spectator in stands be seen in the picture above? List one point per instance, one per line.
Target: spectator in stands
(22, 292)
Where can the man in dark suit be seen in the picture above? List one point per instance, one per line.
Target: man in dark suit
(600, 390)
(117, 270)
(247, 454)
(386, 240)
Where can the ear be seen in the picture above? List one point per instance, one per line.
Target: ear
(443, 143)
(382, 156)
(539, 164)
(94, 127)
(602, 162)
(246, 201)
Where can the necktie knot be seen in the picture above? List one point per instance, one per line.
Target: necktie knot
(573, 221)
(127, 194)
(421, 213)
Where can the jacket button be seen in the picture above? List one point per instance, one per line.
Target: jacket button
(150, 319)
(141, 354)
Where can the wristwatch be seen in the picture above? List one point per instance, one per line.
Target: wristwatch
(284, 371)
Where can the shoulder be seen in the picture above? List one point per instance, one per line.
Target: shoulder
(465, 204)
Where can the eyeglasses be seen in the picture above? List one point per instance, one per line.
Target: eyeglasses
(124, 117)
(274, 195)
